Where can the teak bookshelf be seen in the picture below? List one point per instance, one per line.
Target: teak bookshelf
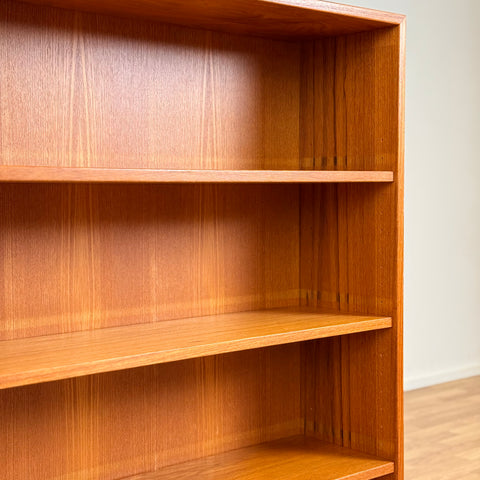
(201, 240)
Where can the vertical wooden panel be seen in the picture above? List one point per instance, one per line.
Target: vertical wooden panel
(98, 91)
(28, 432)
(77, 257)
(307, 106)
(350, 255)
(319, 246)
(122, 423)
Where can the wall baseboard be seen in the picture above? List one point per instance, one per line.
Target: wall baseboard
(441, 377)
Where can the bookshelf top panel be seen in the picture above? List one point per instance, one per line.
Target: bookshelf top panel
(275, 18)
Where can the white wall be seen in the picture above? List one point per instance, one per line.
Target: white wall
(442, 188)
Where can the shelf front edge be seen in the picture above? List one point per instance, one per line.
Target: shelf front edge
(37, 174)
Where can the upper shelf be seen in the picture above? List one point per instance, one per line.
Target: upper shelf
(55, 357)
(276, 18)
(144, 175)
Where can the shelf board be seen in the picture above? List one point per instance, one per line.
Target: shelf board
(54, 357)
(145, 175)
(292, 458)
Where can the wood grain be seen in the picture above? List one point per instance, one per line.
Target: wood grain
(442, 431)
(352, 242)
(82, 90)
(279, 18)
(292, 458)
(81, 257)
(124, 423)
(143, 175)
(55, 357)
(98, 91)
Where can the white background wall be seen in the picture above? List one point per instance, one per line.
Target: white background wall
(442, 188)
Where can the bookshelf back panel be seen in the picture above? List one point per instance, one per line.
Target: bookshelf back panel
(79, 257)
(124, 423)
(81, 89)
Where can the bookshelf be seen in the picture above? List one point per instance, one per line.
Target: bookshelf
(201, 240)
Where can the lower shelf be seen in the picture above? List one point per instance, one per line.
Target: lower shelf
(292, 458)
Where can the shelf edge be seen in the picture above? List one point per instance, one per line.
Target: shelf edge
(43, 174)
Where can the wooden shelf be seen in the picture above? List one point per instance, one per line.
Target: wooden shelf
(292, 458)
(54, 357)
(144, 175)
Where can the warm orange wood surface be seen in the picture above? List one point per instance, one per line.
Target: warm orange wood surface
(281, 18)
(352, 238)
(54, 357)
(295, 458)
(126, 175)
(82, 90)
(117, 424)
(98, 91)
(82, 256)
(397, 340)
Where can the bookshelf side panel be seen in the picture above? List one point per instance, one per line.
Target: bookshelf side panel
(352, 243)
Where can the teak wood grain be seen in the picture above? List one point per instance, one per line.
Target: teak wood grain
(100, 91)
(352, 239)
(294, 458)
(118, 424)
(83, 256)
(143, 175)
(277, 18)
(54, 357)
(306, 89)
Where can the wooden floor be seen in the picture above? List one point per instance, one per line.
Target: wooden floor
(442, 432)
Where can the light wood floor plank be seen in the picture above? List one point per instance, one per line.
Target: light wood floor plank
(442, 431)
